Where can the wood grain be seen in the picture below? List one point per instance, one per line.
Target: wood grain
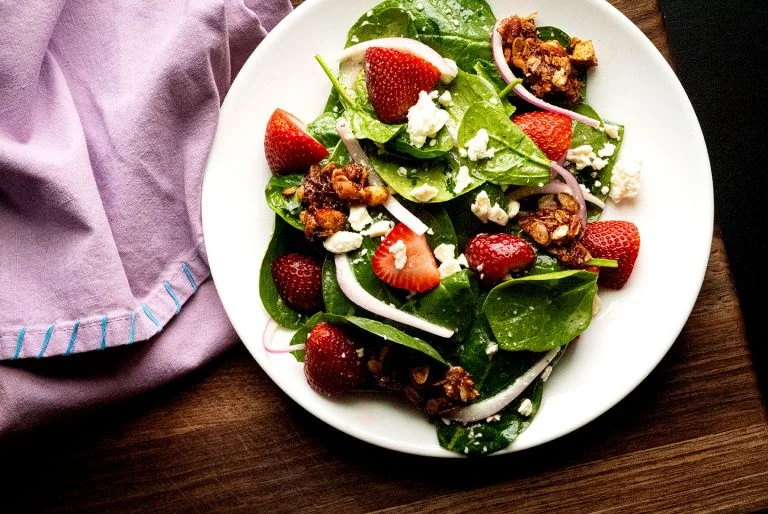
(692, 437)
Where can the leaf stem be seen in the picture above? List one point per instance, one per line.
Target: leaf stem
(345, 98)
(507, 90)
(603, 263)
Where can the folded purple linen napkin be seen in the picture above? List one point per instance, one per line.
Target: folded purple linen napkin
(107, 113)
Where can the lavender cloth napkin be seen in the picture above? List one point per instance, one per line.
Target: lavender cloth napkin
(107, 113)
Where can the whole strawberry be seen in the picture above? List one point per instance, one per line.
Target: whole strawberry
(394, 80)
(331, 361)
(288, 146)
(618, 240)
(494, 256)
(298, 280)
(552, 132)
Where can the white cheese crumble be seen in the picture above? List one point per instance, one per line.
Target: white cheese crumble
(379, 229)
(625, 182)
(481, 206)
(462, 180)
(607, 150)
(491, 348)
(494, 100)
(477, 147)
(513, 208)
(605, 190)
(498, 215)
(420, 7)
(448, 268)
(399, 250)
(402, 171)
(462, 260)
(359, 217)
(611, 130)
(445, 252)
(446, 100)
(598, 163)
(581, 156)
(425, 119)
(424, 193)
(526, 407)
(343, 242)
(545, 374)
(495, 417)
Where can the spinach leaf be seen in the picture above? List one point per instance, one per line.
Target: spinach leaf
(377, 328)
(402, 144)
(483, 437)
(541, 312)
(340, 155)
(553, 33)
(517, 159)
(360, 261)
(451, 304)
(490, 73)
(403, 175)
(284, 240)
(586, 135)
(545, 264)
(468, 89)
(287, 207)
(324, 129)
(386, 20)
(334, 299)
(438, 220)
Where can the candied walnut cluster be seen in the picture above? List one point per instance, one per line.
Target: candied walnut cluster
(425, 385)
(327, 190)
(555, 226)
(547, 68)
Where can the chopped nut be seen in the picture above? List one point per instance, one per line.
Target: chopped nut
(537, 230)
(419, 375)
(556, 228)
(548, 202)
(582, 53)
(568, 203)
(458, 385)
(375, 195)
(289, 191)
(560, 232)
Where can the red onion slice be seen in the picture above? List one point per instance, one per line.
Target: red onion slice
(268, 338)
(577, 192)
(354, 55)
(394, 207)
(490, 406)
(551, 188)
(508, 75)
(354, 291)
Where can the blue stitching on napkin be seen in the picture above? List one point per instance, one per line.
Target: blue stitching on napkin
(173, 295)
(131, 330)
(19, 343)
(151, 316)
(46, 340)
(190, 276)
(73, 338)
(103, 343)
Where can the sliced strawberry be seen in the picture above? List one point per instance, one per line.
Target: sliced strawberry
(552, 132)
(394, 80)
(618, 240)
(419, 272)
(298, 280)
(494, 256)
(332, 364)
(288, 146)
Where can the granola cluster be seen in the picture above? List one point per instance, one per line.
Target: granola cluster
(556, 225)
(327, 190)
(550, 70)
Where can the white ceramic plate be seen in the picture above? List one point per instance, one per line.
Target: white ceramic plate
(633, 85)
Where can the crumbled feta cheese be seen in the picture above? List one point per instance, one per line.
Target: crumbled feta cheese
(477, 147)
(481, 207)
(611, 131)
(455, 23)
(433, 95)
(432, 142)
(513, 208)
(430, 231)
(445, 252)
(448, 268)
(605, 190)
(495, 417)
(581, 156)
(545, 374)
(491, 348)
(526, 407)
(425, 120)
(399, 250)
(370, 13)
(462, 180)
(359, 217)
(360, 352)
(498, 215)
(343, 242)
(625, 182)
(424, 193)
(463, 152)
(598, 183)
(494, 100)
(607, 150)
(402, 171)
(379, 229)
(446, 100)
(598, 163)
(420, 6)
(462, 260)
(355, 39)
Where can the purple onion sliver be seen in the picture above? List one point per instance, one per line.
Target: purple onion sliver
(577, 192)
(269, 335)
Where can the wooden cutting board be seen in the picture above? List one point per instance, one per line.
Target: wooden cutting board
(692, 437)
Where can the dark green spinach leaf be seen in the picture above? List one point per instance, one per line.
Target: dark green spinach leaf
(334, 299)
(287, 207)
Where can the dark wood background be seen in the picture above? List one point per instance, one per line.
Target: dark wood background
(692, 437)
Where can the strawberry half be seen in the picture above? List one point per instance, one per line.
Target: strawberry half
(288, 146)
(331, 361)
(619, 240)
(419, 273)
(552, 132)
(494, 256)
(394, 80)
(298, 281)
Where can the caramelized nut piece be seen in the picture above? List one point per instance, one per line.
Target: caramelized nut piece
(289, 191)
(419, 375)
(548, 202)
(568, 203)
(375, 195)
(560, 232)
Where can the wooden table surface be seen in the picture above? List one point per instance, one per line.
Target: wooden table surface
(692, 437)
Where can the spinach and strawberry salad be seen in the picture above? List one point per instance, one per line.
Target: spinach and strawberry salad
(437, 230)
